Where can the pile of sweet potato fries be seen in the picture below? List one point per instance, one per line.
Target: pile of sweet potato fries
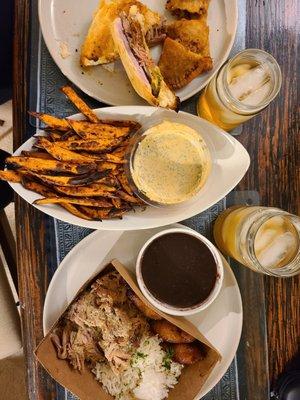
(79, 164)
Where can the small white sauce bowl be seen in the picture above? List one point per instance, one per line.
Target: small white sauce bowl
(177, 310)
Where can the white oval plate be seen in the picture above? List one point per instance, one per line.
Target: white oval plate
(229, 165)
(67, 21)
(221, 322)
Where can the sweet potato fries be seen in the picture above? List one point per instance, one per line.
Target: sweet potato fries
(78, 165)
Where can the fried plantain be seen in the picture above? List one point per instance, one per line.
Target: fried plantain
(186, 353)
(147, 311)
(171, 333)
(50, 166)
(80, 104)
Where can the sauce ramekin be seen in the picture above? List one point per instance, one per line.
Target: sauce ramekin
(166, 307)
(134, 143)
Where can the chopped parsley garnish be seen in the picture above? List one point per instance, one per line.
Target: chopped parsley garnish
(166, 363)
(136, 356)
(140, 355)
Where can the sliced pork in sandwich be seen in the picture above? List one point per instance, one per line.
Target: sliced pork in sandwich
(144, 74)
(98, 46)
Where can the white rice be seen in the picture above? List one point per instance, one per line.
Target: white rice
(149, 376)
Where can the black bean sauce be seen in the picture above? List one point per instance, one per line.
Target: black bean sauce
(179, 270)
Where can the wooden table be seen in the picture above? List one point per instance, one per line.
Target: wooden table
(271, 139)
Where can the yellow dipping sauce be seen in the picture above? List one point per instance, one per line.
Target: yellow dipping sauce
(171, 163)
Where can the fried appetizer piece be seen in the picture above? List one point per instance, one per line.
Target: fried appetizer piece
(147, 311)
(92, 145)
(99, 47)
(171, 333)
(187, 8)
(179, 65)
(144, 75)
(186, 353)
(80, 104)
(192, 34)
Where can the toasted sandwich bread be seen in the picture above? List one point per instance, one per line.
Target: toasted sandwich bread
(143, 73)
(99, 47)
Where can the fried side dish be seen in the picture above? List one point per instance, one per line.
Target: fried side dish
(99, 47)
(78, 165)
(192, 34)
(179, 65)
(171, 333)
(147, 311)
(187, 8)
(185, 353)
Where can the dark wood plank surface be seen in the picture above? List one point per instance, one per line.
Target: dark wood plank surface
(271, 140)
(32, 257)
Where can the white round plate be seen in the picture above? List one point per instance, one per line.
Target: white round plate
(230, 162)
(221, 322)
(67, 21)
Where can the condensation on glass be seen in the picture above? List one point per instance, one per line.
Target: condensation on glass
(265, 239)
(243, 87)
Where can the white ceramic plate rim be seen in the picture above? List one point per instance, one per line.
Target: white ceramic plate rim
(143, 222)
(48, 38)
(237, 328)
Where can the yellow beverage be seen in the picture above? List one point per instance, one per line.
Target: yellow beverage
(244, 86)
(264, 239)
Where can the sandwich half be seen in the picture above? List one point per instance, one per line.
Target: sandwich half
(143, 73)
(98, 47)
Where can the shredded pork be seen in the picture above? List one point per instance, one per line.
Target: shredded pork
(101, 324)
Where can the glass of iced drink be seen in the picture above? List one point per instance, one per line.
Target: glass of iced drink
(243, 87)
(265, 239)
